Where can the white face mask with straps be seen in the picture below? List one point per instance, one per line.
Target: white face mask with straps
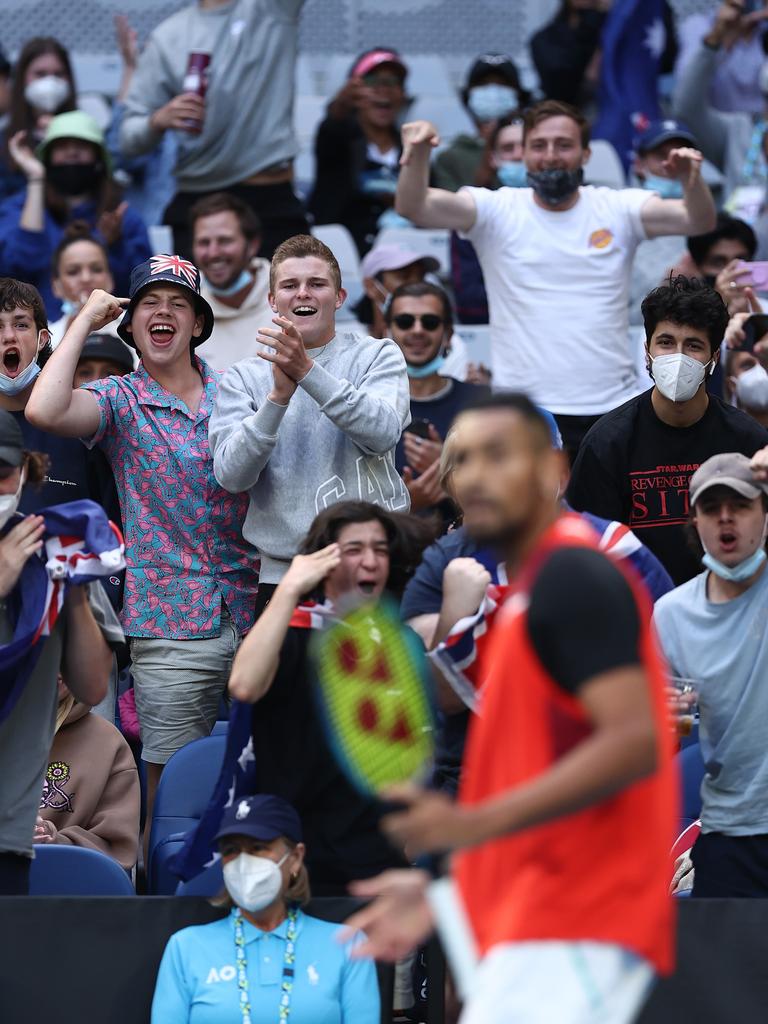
(678, 377)
(9, 503)
(253, 882)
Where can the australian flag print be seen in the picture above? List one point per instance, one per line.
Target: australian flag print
(80, 546)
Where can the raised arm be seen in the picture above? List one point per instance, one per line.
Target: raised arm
(695, 213)
(428, 207)
(256, 664)
(54, 404)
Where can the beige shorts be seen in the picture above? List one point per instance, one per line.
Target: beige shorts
(178, 686)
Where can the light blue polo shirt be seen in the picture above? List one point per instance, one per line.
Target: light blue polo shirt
(197, 980)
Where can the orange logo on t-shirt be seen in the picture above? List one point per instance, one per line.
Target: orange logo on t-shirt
(600, 239)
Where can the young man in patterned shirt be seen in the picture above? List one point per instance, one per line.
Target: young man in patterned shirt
(191, 579)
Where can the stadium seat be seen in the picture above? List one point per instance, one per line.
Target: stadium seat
(186, 786)
(432, 241)
(604, 166)
(691, 769)
(477, 338)
(220, 727)
(208, 883)
(76, 871)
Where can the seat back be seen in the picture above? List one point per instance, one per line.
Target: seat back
(604, 166)
(76, 871)
(185, 789)
(691, 767)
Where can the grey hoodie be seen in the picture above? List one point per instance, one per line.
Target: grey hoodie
(334, 441)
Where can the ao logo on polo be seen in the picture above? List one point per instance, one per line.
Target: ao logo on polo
(225, 973)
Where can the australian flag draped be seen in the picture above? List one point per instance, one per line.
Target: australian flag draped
(237, 777)
(80, 545)
(634, 38)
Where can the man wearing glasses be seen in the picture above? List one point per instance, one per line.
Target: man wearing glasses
(420, 320)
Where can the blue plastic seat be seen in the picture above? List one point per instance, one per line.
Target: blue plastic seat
(76, 871)
(691, 768)
(185, 789)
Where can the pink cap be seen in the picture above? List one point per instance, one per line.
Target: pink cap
(370, 61)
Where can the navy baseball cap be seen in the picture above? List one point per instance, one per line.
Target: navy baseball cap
(168, 270)
(488, 64)
(109, 348)
(11, 440)
(662, 131)
(262, 817)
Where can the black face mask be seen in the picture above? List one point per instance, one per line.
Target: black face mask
(555, 185)
(75, 179)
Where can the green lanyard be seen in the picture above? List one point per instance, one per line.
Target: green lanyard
(286, 986)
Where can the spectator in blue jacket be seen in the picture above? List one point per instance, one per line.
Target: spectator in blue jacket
(68, 179)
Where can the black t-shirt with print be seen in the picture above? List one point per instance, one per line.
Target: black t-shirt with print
(636, 469)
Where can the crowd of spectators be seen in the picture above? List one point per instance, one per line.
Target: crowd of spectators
(264, 460)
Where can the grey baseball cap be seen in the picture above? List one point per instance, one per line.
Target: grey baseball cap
(11, 440)
(731, 469)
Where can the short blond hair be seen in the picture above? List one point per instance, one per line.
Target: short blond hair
(300, 247)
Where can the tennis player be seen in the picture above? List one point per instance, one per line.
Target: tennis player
(566, 807)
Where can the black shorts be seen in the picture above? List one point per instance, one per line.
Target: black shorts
(730, 866)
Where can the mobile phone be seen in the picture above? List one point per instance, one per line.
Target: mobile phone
(420, 428)
(755, 327)
(755, 274)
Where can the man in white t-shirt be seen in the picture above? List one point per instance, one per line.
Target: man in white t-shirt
(556, 258)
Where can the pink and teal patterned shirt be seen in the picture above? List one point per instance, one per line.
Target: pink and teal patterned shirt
(185, 551)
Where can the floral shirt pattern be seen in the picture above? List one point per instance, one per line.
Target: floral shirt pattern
(183, 532)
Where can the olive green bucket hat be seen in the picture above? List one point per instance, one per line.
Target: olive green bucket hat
(74, 124)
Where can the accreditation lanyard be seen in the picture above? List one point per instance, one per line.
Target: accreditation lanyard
(286, 985)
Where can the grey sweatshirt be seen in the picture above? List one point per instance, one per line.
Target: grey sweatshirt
(249, 104)
(334, 441)
(722, 137)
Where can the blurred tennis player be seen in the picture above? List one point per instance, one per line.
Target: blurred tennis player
(567, 804)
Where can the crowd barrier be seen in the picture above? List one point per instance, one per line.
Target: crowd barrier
(72, 959)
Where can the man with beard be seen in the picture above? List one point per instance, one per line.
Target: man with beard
(570, 758)
(556, 258)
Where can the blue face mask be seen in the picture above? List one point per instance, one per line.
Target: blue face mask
(736, 573)
(426, 369)
(14, 385)
(668, 188)
(492, 101)
(69, 308)
(243, 279)
(512, 173)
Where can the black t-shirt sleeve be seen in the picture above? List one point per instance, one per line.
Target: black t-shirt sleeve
(582, 617)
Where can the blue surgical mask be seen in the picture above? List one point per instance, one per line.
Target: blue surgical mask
(492, 101)
(11, 386)
(69, 308)
(243, 279)
(668, 188)
(512, 173)
(426, 369)
(736, 573)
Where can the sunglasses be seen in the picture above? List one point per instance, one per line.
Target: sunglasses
(388, 81)
(429, 321)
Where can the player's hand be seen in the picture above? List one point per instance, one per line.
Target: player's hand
(23, 156)
(306, 571)
(683, 164)
(421, 452)
(286, 348)
(45, 831)
(683, 877)
(431, 822)
(16, 548)
(415, 135)
(465, 583)
(102, 308)
(398, 919)
(425, 490)
(183, 113)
